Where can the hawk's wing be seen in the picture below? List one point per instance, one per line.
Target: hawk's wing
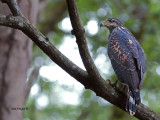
(127, 57)
(140, 57)
(142, 65)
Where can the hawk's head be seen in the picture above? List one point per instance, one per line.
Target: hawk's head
(111, 23)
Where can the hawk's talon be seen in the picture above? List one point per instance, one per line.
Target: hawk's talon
(125, 89)
(114, 84)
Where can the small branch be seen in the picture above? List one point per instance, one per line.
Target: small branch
(13, 7)
(79, 32)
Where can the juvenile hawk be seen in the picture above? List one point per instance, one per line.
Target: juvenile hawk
(127, 59)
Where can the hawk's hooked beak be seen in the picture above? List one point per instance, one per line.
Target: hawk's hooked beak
(103, 24)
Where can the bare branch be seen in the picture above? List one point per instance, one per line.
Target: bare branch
(12, 4)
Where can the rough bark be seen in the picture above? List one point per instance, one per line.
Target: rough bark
(15, 53)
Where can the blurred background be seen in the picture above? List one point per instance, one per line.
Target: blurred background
(57, 96)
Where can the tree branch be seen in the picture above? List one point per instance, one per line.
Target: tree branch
(79, 32)
(104, 90)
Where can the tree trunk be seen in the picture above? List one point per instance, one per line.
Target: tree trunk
(15, 56)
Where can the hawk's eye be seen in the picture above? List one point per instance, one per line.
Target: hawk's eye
(110, 20)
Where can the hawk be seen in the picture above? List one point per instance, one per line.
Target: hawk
(127, 59)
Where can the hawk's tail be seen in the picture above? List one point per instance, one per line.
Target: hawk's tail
(132, 101)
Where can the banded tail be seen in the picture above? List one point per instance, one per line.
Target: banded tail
(132, 101)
